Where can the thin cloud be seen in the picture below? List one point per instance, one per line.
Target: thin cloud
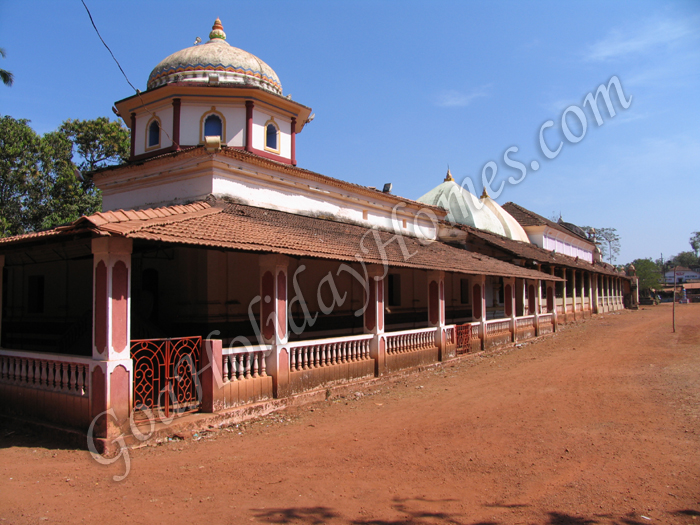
(458, 99)
(650, 37)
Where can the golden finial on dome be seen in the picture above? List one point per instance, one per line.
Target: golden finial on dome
(448, 177)
(217, 31)
(484, 194)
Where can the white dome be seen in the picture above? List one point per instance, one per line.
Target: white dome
(462, 206)
(233, 65)
(512, 228)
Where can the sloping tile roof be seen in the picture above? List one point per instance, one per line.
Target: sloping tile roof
(534, 252)
(247, 228)
(105, 222)
(529, 218)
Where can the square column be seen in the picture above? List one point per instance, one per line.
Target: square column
(373, 317)
(509, 304)
(274, 328)
(573, 291)
(538, 303)
(595, 308)
(563, 296)
(479, 306)
(436, 310)
(555, 315)
(112, 369)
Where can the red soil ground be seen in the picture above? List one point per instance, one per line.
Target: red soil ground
(597, 424)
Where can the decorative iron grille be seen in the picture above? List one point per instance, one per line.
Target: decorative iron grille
(166, 379)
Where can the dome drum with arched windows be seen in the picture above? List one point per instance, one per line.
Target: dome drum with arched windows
(213, 90)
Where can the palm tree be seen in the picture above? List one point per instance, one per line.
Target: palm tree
(6, 77)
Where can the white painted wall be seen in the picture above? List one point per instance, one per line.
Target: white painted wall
(165, 114)
(551, 239)
(159, 194)
(285, 126)
(266, 188)
(191, 117)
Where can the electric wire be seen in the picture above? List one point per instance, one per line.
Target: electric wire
(138, 92)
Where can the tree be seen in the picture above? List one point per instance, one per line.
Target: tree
(608, 240)
(41, 184)
(648, 273)
(98, 143)
(6, 77)
(695, 243)
(687, 259)
(19, 164)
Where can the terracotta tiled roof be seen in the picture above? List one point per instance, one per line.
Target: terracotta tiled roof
(240, 227)
(104, 223)
(529, 218)
(531, 251)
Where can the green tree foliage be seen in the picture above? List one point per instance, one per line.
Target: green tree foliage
(42, 185)
(695, 243)
(98, 143)
(19, 166)
(6, 77)
(649, 274)
(687, 259)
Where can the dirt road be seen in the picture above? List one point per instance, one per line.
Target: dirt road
(597, 424)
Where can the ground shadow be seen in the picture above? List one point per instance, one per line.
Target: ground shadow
(313, 515)
(414, 512)
(687, 512)
(27, 434)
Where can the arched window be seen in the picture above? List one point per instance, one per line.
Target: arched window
(213, 127)
(153, 134)
(271, 137)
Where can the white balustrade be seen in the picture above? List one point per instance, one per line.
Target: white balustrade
(475, 330)
(308, 355)
(410, 340)
(450, 334)
(523, 323)
(497, 327)
(244, 362)
(55, 372)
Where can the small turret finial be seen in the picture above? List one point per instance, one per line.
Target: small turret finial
(448, 177)
(484, 194)
(217, 31)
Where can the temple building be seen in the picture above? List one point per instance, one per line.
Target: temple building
(220, 274)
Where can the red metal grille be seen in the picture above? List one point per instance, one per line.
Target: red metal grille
(464, 338)
(165, 376)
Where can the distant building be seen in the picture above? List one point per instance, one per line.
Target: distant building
(682, 275)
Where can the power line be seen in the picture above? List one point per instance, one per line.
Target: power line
(108, 49)
(138, 92)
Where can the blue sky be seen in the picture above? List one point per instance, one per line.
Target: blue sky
(402, 89)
